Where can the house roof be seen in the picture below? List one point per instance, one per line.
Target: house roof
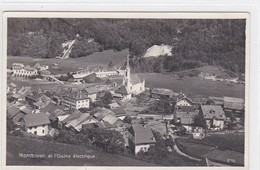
(79, 120)
(74, 115)
(135, 79)
(13, 111)
(77, 95)
(119, 111)
(212, 111)
(26, 110)
(226, 156)
(187, 108)
(36, 119)
(113, 105)
(100, 113)
(233, 103)
(110, 119)
(122, 90)
(118, 81)
(142, 135)
(91, 90)
(162, 91)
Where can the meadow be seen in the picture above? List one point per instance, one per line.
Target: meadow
(193, 86)
(73, 64)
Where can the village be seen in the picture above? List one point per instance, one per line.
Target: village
(117, 100)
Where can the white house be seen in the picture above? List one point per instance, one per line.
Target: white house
(185, 101)
(37, 124)
(91, 92)
(140, 138)
(19, 70)
(76, 100)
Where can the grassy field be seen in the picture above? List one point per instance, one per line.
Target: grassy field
(16, 145)
(193, 86)
(73, 64)
(234, 141)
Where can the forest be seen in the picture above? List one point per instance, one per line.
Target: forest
(195, 42)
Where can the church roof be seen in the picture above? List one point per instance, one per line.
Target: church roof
(135, 79)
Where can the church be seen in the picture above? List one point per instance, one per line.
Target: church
(131, 85)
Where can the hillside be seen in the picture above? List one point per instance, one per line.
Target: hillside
(195, 43)
(16, 145)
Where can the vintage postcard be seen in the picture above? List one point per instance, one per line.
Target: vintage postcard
(106, 89)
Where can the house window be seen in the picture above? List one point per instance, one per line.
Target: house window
(43, 131)
(35, 132)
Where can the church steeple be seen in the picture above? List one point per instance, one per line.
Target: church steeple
(127, 73)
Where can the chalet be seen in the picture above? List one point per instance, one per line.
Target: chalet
(38, 100)
(214, 116)
(140, 138)
(79, 120)
(37, 124)
(161, 93)
(76, 100)
(185, 115)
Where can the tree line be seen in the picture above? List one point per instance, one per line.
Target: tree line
(195, 42)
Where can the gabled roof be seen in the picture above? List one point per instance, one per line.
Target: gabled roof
(100, 113)
(79, 120)
(212, 111)
(135, 79)
(110, 119)
(122, 90)
(162, 91)
(76, 114)
(91, 90)
(13, 111)
(31, 120)
(119, 111)
(187, 108)
(142, 135)
(77, 95)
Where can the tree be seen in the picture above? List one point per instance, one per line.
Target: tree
(110, 64)
(106, 99)
(200, 121)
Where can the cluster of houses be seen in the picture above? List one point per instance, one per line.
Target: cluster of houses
(38, 112)
(215, 110)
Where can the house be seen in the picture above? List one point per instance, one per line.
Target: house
(91, 93)
(19, 70)
(140, 138)
(79, 120)
(214, 116)
(185, 115)
(184, 101)
(38, 100)
(37, 124)
(16, 114)
(225, 158)
(21, 94)
(159, 93)
(76, 100)
(64, 119)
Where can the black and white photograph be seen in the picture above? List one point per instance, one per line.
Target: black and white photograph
(117, 90)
